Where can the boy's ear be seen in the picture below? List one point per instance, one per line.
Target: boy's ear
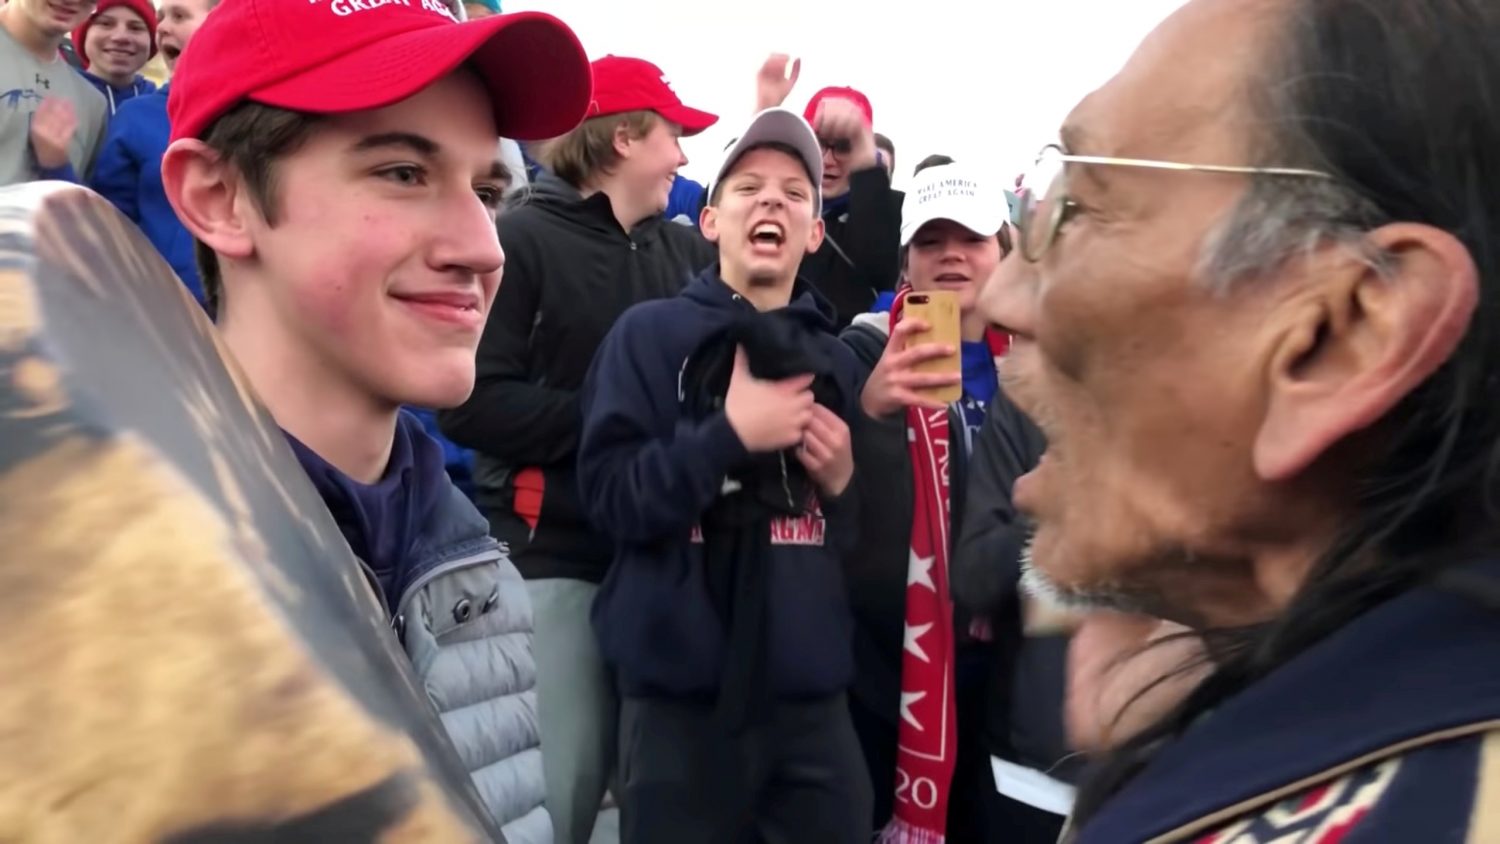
(708, 223)
(623, 140)
(815, 235)
(206, 194)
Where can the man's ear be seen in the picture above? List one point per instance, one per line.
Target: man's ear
(708, 223)
(205, 193)
(1363, 340)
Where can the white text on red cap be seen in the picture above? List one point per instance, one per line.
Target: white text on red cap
(344, 8)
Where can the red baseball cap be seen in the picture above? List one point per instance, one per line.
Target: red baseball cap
(140, 7)
(335, 56)
(623, 84)
(811, 112)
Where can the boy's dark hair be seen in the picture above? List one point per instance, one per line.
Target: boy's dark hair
(252, 138)
(937, 160)
(785, 149)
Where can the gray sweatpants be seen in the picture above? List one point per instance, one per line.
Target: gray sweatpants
(577, 705)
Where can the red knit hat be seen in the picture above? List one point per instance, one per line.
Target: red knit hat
(140, 7)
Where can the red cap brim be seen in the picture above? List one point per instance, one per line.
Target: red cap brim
(691, 120)
(537, 73)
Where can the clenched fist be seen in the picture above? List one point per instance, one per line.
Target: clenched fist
(840, 119)
(767, 416)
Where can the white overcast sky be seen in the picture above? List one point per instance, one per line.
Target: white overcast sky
(986, 81)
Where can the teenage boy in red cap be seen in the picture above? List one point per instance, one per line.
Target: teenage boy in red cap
(589, 243)
(862, 215)
(339, 172)
(51, 118)
(114, 44)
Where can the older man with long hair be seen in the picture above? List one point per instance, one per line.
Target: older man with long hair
(1254, 310)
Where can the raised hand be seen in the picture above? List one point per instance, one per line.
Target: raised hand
(841, 119)
(773, 83)
(52, 128)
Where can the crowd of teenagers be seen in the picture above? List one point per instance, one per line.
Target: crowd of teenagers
(649, 476)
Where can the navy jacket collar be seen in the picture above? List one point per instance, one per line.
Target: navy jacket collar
(1422, 663)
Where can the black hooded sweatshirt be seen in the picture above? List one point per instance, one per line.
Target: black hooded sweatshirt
(570, 272)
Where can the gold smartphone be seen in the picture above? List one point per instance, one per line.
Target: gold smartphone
(940, 310)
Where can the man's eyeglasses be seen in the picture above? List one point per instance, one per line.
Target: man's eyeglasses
(1042, 204)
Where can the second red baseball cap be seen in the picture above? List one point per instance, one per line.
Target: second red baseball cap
(335, 56)
(811, 113)
(624, 84)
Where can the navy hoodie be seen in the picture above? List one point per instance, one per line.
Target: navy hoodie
(647, 474)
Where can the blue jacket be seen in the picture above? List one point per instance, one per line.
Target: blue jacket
(1386, 731)
(685, 200)
(118, 96)
(647, 475)
(128, 174)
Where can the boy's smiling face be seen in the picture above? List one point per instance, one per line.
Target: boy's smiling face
(384, 259)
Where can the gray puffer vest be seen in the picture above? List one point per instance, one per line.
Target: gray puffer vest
(465, 621)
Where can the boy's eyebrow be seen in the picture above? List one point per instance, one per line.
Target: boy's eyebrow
(499, 172)
(419, 144)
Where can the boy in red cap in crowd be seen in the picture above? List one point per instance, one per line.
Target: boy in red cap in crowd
(862, 215)
(113, 45)
(339, 172)
(52, 119)
(589, 243)
(128, 172)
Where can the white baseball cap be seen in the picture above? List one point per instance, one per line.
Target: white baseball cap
(954, 192)
(778, 126)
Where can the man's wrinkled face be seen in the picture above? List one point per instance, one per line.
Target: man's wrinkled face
(1146, 382)
(384, 259)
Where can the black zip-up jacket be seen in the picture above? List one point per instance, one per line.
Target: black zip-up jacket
(876, 566)
(570, 272)
(860, 255)
(1025, 705)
